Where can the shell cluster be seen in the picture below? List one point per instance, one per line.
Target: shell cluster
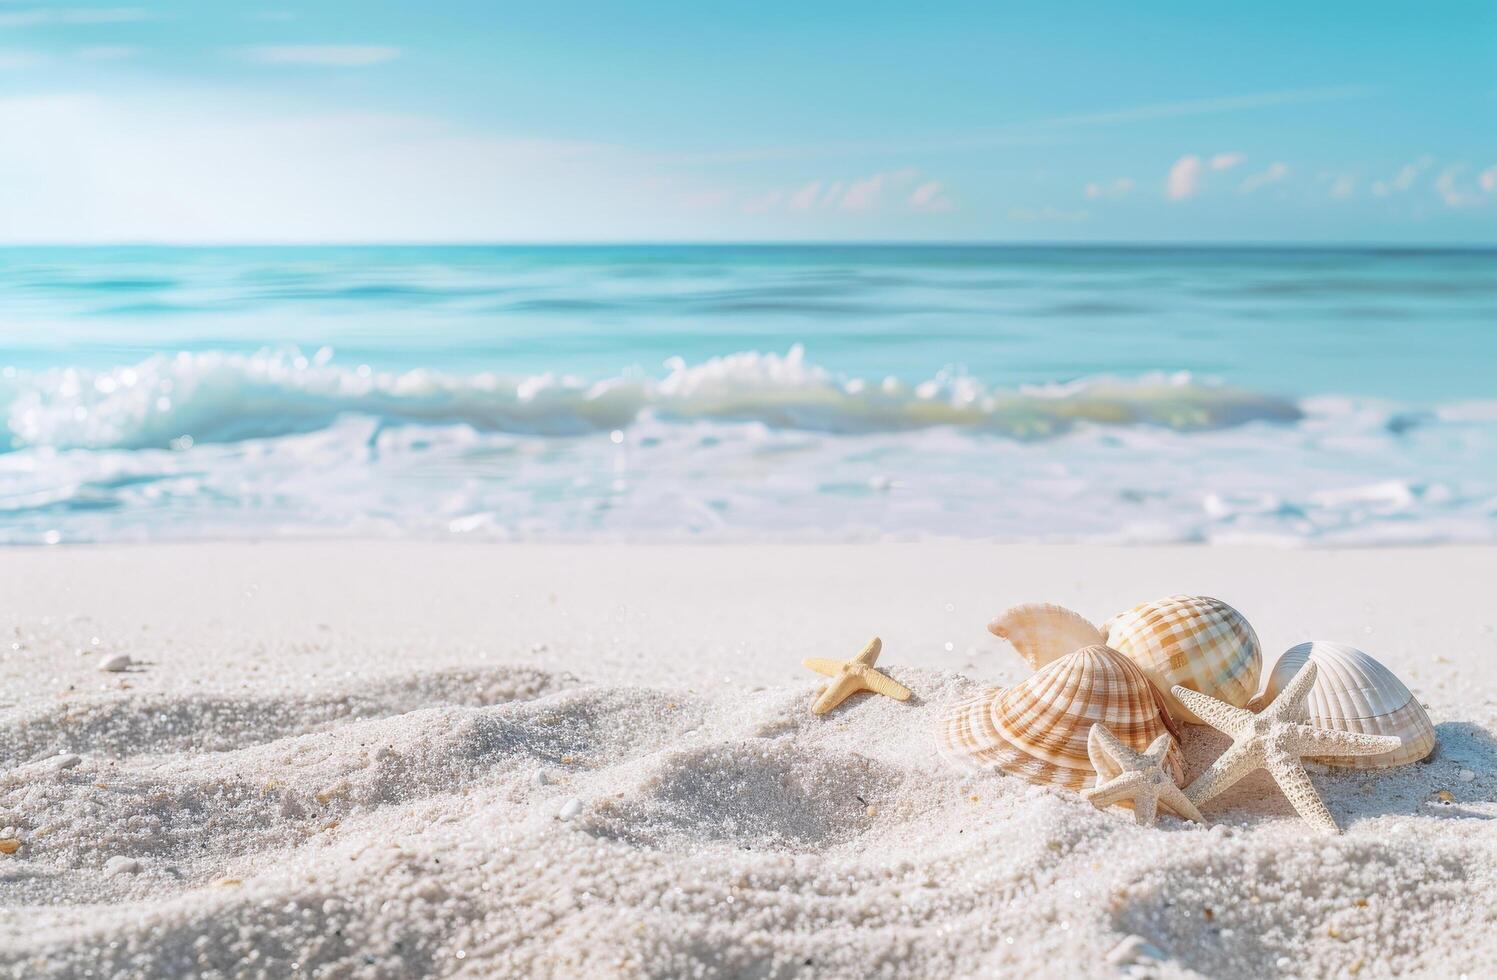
(1120, 676)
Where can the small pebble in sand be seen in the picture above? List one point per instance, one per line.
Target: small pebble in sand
(1445, 796)
(569, 809)
(64, 761)
(540, 777)
(116, 663)
(121, 865)
(9, 845)
(1466, 775)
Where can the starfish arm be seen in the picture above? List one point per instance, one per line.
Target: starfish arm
(1174, 800)
(1290, 703)
(1107, 751)
(870, 653)
(1296, 785)
(836, 692)
(1312, 741)
(1159, 748)
(1218, 714)
(1229, 767)
(885, 685)
(1146, 809)
(828, 667)
(1110, 792)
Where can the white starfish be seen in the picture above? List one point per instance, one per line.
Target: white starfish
(1141, 778)
(1275, 739)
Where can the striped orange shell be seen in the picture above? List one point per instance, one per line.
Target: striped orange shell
(1038, 729)
(1194, 641)
(1355, 693)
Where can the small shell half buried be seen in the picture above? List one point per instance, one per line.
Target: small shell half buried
(1195, 641)
(1355, 693)
(1038, 729)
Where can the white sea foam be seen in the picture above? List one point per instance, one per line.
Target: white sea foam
(748, 446)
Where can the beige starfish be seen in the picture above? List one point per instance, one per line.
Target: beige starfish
(851, 676)
(1141, 778)
(1275, 739)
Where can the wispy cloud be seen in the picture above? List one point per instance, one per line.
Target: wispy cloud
(1275, 172)
(1226, 161)
(324, 55)
(1212, 106)
(21, 60)
(1099, 190)
(71, 16)
(929, 197)
(1404, 180)
(855, 195)
(1184, 180)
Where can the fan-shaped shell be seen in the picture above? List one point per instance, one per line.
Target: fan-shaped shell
(1038, 729)
(1042, 632)
(1195, 641)
(1354, 693)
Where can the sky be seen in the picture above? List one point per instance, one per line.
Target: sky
(362, 120)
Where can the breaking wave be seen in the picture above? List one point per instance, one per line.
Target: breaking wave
(219, 397)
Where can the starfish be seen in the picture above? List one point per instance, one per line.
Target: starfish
(1140, 778)
(851, 676)
(1276, 740)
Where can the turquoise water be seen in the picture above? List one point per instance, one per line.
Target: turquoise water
(1200, 394)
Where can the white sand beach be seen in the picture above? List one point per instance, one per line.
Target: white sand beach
(404, 759)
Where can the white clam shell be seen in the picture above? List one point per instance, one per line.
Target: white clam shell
(1354, 693)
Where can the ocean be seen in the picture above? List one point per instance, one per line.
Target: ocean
(1336, 397)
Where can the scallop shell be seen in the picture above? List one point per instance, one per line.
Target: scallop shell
(1038, 729)
(1195, 641)
(1354, 693)
(1042, 632)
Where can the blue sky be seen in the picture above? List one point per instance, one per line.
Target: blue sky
(463, 121)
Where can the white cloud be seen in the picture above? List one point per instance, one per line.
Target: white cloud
(805, 199)
(72, 16)
(1097, 190)
(1404, 180)
(1226, 161)
(1457, 192)
(21, 60)
(1276, 172)
(1343, 186)
(928, 197)
(863, 194)
(1184, 180)
(324, 55)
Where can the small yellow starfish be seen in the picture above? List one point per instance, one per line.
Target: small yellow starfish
(1140, 778)
(850, 676)
(1276, 739)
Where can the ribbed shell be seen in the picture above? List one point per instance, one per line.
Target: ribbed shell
(1354, 693)
(1043, 632)
(1038, 729)
(1195, 641)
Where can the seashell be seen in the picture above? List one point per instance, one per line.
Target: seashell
(1042, 632)
(1354, 693)
(1194, 641)
(1038, 729)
